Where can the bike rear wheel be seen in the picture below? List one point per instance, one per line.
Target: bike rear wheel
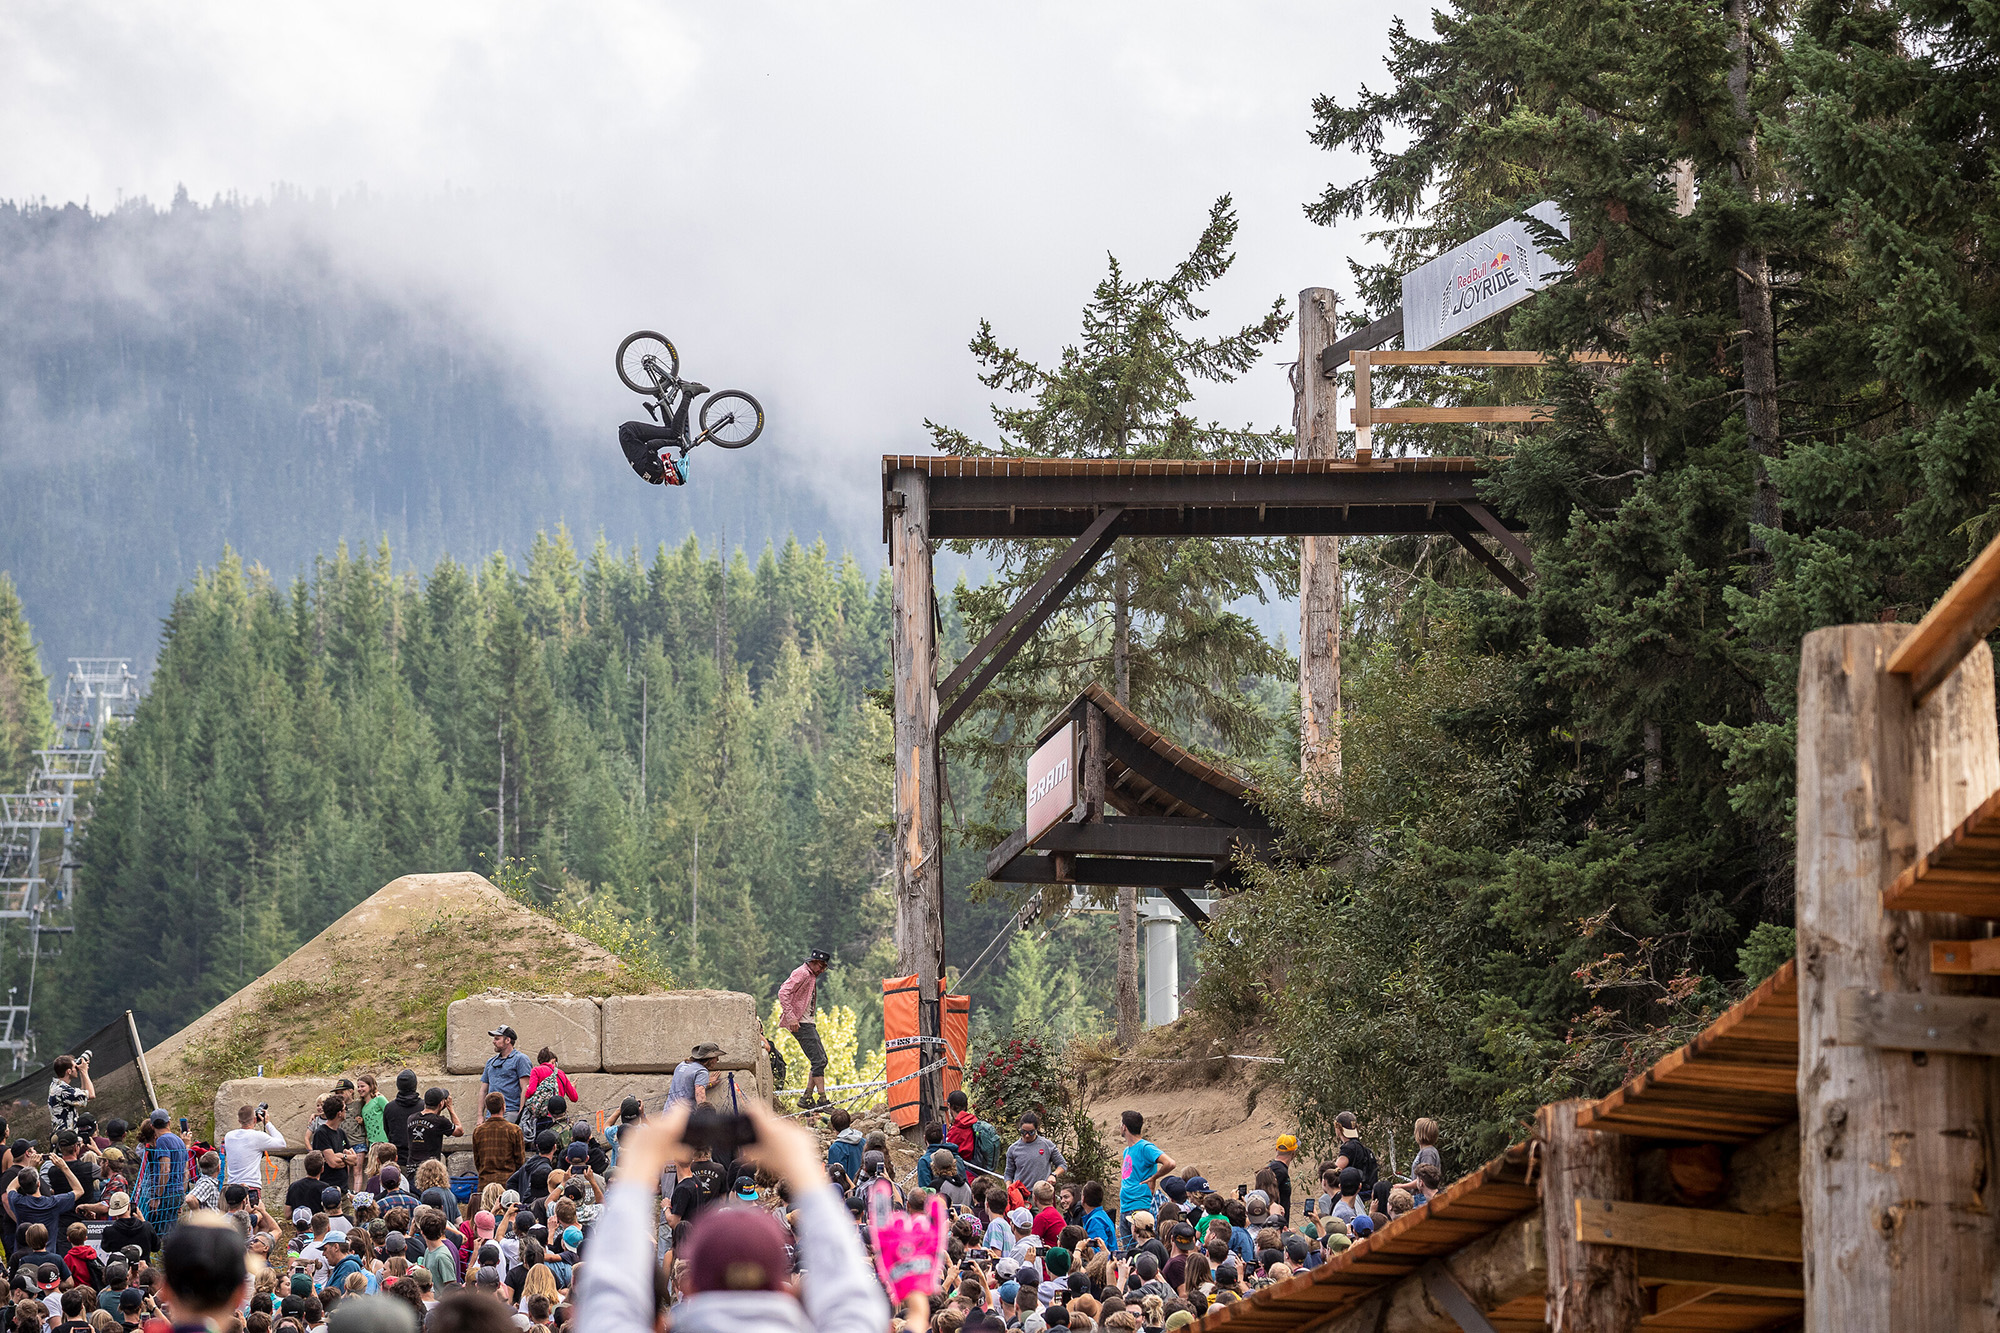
(732, 418)
(631, 360)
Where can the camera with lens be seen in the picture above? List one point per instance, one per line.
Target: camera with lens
(263, 1110)
(83, 1059)
(721, 1132)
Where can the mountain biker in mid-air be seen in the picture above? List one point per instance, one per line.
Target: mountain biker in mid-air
(648, 364)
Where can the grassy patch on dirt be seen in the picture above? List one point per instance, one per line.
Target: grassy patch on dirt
(380, 1003)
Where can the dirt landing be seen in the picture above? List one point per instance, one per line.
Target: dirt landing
(1211, 1114)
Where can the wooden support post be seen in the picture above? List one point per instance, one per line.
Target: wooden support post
(1319, 557)
(1493, 1271)
(1364, 410)
(918, 853)
(1897, 1167)
(1591, 1288)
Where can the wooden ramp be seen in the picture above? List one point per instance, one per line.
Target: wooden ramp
(1735, 1082)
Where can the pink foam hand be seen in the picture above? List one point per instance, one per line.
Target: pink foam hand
(909, 1250)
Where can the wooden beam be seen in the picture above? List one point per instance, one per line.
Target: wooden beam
(1967, 613)
(1476, 358)
(1592, 1287)
(1966, 958)
(1493, 1271)
(1182, 786)
(1498, 531)
(1918, 1021)
(1648, 1226)
(1897, 1161)
(1743, 1277)
(1189, 908)
(1377, 333)
(1393, 416)
(918, 853)
(1671, 1296)
(1461, 532)
(1006, 639)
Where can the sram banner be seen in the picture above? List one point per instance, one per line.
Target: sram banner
(1052, 782)
(1492, 271)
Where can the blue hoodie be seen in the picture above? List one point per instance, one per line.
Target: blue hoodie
(1098, 1223)
(845, 1152)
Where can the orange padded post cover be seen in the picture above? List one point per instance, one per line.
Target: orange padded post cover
(899, 1034)
(957, 1024)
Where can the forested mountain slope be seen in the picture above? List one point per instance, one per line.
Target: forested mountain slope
(174, 380)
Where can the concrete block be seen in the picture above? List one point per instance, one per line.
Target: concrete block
(293, 1104)
(568, 1025)
(653, 1033)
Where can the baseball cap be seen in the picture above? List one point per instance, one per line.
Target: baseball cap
(489, 1276)
(1256, 1199)
(504, 1031)
(1022, 1218)
(121, 1204)
(577, 1152)
(746, 1189)
(1361, 1226)
(336, 1238)
(392, 1176)
(483, 1222)
(302, 1216)
(433, 1196)
(131, 1298)
(1006, 1268)
(344, 1085)
(733, 1248)
(572, 1237)
(1180, 1319)
(580, 1130)
(819, 956)
(329, 1199)
(49, 1276)
(1010, 1292)
(631, 1109)
(1174, 1188)
(1183, 1231)
(1288, 1143)
(545, 1140)
(1197, 1184)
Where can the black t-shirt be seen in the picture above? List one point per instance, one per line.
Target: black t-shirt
(86, 1177)
(304, 1193)
(427, 1135)
(537, 1170)
(1283, 1172)
(331, 1139)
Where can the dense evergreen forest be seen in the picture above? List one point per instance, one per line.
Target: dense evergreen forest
(591, 720)
(176, 379)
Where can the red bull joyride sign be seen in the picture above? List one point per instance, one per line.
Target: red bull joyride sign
(1492, 271)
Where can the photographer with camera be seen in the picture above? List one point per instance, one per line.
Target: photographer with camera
(69, 1090)
(243, 1149)
(738, 1275)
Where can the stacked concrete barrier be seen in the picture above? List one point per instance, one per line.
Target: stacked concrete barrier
(569, 1025)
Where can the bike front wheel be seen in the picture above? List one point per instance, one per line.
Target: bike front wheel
(732, 418)
(632, 354)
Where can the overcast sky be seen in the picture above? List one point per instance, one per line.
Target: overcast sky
(816, 202)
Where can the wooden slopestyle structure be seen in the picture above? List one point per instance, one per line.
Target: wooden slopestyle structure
(1823, 1155)
(1152, 815)
(927, 499)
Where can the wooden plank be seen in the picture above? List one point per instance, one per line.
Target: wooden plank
(1960, 874)
(1390, 416)
(1480, 358)
(1747, 1277)
(1918, 1021)
(1966, 958)
(1647, 1226)
(1967, 613)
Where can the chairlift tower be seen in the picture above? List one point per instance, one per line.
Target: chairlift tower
(97, 691)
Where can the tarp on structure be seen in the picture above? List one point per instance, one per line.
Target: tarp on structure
(906, 1049)
(117, 1071)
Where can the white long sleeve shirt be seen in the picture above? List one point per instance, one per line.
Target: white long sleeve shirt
(243, 1155)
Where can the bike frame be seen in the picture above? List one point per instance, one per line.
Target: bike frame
(675, 403)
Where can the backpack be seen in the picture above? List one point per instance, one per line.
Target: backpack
(988, 1151)
(537, 1106)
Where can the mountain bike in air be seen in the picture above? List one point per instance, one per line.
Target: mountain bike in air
(649, 365)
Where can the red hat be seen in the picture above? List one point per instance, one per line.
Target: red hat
(736, 1249)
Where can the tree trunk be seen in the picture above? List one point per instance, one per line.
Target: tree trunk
(1127, 989)
(1753, 303)
(919, 816)
(1591, 1288)
(1897, 1162)
(1319, 559)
